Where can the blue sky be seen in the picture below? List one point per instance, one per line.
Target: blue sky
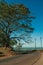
(36, 8)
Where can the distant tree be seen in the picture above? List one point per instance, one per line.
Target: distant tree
(14, 19)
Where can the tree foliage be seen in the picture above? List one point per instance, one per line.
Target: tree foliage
(14, 18)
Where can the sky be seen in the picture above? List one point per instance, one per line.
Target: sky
(36, 8)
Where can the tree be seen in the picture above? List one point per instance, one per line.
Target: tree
(15, 19)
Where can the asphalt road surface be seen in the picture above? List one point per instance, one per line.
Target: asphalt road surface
(25, 59)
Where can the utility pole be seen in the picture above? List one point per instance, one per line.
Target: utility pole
(41, 41)
(35, 43)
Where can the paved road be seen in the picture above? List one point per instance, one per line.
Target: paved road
(26, 59)
(40, 61)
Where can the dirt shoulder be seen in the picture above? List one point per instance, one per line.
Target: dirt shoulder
(6, 52)
(40, 61)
